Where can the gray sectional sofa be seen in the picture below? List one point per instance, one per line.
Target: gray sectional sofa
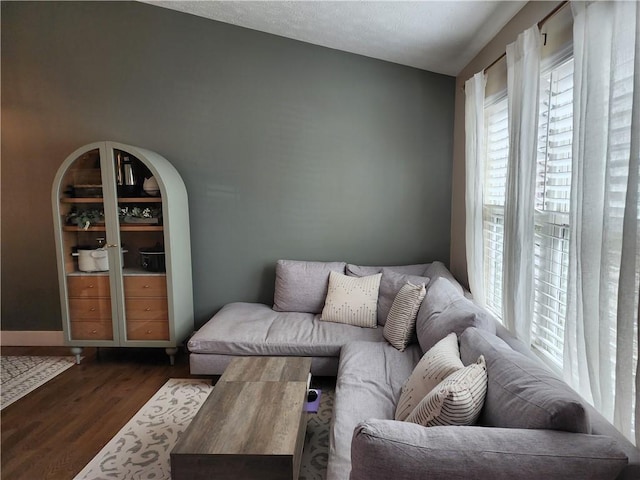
(532, 424)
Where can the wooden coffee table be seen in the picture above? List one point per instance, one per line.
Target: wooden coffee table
(251, 426)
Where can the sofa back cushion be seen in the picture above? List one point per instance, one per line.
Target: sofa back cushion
(445, 310)
(302, 286)
(438, 270)
(366, 270)
(521, 392)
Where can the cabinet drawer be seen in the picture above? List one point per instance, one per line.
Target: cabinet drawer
(145, 286)
(89, 309)
(137, 330)
(88, 286)
(146, 309)
(91, 330)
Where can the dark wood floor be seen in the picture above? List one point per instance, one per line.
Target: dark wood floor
(54, 431)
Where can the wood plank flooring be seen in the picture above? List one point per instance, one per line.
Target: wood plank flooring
(54, 431)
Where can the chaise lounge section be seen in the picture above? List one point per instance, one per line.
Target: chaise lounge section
(293, 326)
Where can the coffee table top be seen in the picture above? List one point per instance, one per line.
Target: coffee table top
(255, 409)
(267, 369)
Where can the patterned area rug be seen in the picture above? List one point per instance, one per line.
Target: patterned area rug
(23, 374)
(140, 450)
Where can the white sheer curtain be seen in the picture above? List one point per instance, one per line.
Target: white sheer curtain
(601, 330)
(474, 184)
(523, 79)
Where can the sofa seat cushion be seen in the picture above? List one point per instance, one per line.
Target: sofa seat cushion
(370, 378)
(521, 393)
(255, 329)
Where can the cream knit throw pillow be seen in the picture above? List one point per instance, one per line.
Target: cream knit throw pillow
(352, 300)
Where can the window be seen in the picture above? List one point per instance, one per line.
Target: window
(553, 186)
(497, 145)
(606, 277)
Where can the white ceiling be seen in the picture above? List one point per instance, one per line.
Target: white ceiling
(439, 36)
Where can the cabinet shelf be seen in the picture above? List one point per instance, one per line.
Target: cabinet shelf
(123, 228)
(120, 200)
(125, 271)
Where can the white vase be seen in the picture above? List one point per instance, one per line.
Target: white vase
(151, 187)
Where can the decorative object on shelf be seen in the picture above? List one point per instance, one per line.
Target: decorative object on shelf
(92, 260)
(84, 217)
(152, 258)
(140, 215)
(126, 177)
(151, 187)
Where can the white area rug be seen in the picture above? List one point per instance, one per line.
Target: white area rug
(23, 374)
(140, 450)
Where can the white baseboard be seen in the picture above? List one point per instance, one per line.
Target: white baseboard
(10, 338)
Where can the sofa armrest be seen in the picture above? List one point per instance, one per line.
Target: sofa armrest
(385, 449)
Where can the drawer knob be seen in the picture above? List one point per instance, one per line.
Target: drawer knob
(146, 286)
(148, 309)
(92, 309)
(90, 285)
(148, 332)
(94, 332)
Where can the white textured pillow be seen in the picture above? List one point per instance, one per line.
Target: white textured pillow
(352, 300)
(438, 363)
(401, 321)
(456, 401)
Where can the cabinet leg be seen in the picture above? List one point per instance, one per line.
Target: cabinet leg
(172, 355)
(77, 351)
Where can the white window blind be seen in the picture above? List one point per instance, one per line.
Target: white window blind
(497, 145)
(553, 186)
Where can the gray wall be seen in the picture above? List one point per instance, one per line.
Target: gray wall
(288, 150)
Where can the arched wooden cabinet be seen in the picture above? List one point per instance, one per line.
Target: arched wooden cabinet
(123, 247)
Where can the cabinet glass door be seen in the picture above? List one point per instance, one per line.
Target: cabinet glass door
(139, 199)
(86, 264)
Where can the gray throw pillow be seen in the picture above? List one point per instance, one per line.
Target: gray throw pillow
(521, 392)
(302, 286)
(445, 310)
(390, 285)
